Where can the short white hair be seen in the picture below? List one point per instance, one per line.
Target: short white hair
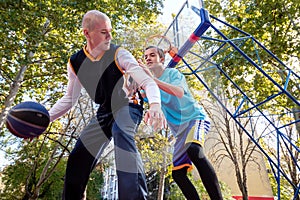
(91, 17)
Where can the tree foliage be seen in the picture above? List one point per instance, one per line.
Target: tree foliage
(234, 80)
(41, 35)
(274, 24)
(38, 38)
(21, 177)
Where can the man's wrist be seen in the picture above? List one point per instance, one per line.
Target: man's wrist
(155, 104)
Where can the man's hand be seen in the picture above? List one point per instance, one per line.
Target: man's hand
(155, 118)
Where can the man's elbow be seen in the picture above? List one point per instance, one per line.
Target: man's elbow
(180, 93)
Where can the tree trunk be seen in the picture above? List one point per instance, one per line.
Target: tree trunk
(47, 171)
(17, 83)
(160, 194)
(296, 112)
(12, 95)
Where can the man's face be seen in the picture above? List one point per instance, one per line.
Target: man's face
(100, 36)
(152, 58)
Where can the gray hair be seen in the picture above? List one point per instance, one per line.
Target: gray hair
(91, 17)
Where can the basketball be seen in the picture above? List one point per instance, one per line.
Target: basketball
(28, 119)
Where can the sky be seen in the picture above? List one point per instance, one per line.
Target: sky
(173, 6)
(170, 6)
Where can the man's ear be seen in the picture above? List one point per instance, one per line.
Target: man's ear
(86, 33)
(162, 60)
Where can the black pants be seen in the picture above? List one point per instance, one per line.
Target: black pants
(121, 126)
(206, 172)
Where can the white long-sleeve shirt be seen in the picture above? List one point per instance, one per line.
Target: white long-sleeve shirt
(130, 66)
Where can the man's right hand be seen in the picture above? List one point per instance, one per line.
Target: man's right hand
(155, 118)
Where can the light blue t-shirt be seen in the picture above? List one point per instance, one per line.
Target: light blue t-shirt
(179, 110)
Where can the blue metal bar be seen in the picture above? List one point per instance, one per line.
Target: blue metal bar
(196, 35)
(260, 103)
(278, 166)
(238, 108)
(204, 25)
(262, 46)
(283, 136)
(287, 80)
(241, 126)
(233, 27)
(257, 67)
(213, 54)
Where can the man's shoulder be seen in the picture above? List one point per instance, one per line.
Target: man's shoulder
(76, 59)
(78, 55)
(171, 70)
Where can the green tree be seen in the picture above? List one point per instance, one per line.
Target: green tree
(38, 38)
(274, 24)
(23, 175)
(173, 192)
(44, 158)
(155, 150)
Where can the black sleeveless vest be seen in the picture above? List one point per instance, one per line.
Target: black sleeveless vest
(102, 79)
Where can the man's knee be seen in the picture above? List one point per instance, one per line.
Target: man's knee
(195, 150)
(179, 174)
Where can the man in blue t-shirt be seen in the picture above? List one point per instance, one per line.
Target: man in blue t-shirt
(187, 121)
